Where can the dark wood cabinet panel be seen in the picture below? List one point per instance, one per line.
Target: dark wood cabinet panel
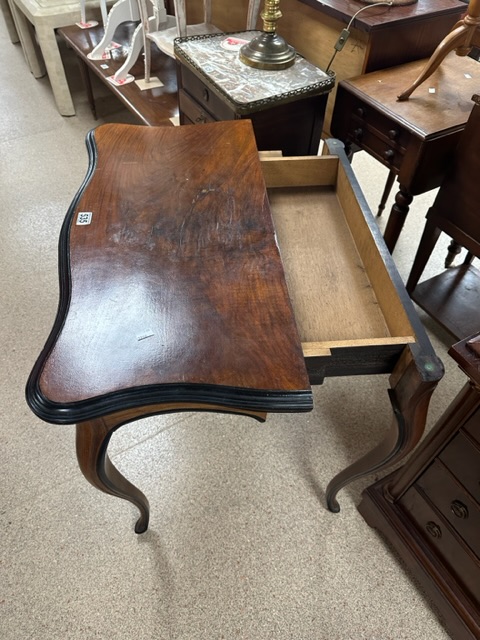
(429, 510)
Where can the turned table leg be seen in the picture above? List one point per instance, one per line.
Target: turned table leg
(453, 250)
(397, 217)
(410, 392)
(92, 442)
(386, 191)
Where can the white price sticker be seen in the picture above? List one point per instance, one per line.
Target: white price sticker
(84, 217)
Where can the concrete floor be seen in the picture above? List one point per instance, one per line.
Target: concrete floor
(240, 543)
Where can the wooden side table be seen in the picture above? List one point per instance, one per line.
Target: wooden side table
(286, 107)
(153, 107)
(173, 295)
(414, 139)
(392, 35)
(429, 510)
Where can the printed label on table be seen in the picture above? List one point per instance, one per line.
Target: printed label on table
(84, 217)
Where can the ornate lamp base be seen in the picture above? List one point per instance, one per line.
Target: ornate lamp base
(268, 51)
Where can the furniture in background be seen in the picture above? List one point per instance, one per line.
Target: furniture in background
(182, 304)
(44, 18)
(463, 37)
(286, 107)
(415, 139)
(164, 38)
(312, 31)
(380, 37)
(452, 297)
(182, 29)
(9, 21)
(154, 107)
(122, 12)
(429, 510)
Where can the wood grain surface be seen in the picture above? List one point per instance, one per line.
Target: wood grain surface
(175, 291)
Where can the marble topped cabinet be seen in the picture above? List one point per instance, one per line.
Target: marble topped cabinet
(286, 107)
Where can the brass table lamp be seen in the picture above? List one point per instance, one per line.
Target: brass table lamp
(268, 50)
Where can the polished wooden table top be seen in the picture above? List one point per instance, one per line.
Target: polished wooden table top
(172, 286)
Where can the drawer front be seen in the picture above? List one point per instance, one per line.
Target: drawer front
(472, 427)
(192, 110)
(440, 537)
(360, 123)
(204, 96)
(462, 458)
(453, 502)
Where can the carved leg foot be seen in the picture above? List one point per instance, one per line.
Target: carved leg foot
(92, 442)
(411, 387)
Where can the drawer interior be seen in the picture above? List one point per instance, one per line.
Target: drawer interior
(341, 291)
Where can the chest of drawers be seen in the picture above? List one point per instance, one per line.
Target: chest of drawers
(435, 522)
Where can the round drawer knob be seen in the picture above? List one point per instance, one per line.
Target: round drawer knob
(206, 95)
(459, 509)
(434, 530)
(389, 155)
(393, 134)
(361, 112)
(358, 134)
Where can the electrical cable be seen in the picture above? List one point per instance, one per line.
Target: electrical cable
(343, 37)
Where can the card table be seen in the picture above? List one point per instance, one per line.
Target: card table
(186, 285)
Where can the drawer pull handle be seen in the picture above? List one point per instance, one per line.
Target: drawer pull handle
(358, 134)
(361, 112)
(206, 95)
(201, 119)
(389, 155)
(393, 134)
(459, 509)
(434, 530)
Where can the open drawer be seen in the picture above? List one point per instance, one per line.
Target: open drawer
(352, 311)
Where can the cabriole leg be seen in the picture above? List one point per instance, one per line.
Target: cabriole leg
(412, 385)
(92, 442)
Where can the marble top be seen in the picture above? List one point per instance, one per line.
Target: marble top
(245, 87)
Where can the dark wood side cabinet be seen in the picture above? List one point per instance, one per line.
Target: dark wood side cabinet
(286, 107)
(429, 510)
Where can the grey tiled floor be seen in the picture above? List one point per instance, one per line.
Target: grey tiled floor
(240, 543)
